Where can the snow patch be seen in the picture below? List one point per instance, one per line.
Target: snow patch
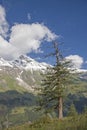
(4, 63)
(24, 84)
(28, 63)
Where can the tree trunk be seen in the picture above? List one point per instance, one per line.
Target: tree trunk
(60, 108)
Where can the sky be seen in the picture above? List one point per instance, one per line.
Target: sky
(29, 27)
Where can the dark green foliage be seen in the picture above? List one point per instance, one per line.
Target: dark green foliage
(78, 100)
(72, 111)
(14, 98)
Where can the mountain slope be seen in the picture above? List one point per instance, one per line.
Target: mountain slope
(24, 74)
(21, 74)
(18, 80)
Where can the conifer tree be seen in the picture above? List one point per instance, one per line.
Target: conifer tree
(54, 82)
(72, 111)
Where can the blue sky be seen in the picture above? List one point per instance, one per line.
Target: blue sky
(65, 18)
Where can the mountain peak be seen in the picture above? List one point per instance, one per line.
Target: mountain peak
(24, 57)
(4, 62)
(28, 63)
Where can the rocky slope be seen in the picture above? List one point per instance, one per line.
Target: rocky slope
(23, 73)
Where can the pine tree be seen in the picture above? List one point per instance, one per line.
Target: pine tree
(55, 80)
(72, 111)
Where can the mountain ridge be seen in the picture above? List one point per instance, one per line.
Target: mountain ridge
(27, 63)
(24, 74)
(24, 62)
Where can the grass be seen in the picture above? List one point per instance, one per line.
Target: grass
(18, 110)
(8, 83)
(68, 123)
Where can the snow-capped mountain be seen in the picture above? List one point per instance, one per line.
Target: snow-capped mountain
(24, 62)
(28, 63)
(4, 62)
(24, 73)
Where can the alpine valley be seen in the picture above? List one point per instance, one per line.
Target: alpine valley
(18, 82)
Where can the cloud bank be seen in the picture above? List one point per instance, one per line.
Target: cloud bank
(23, 39)
(76, 61)
(28, 37)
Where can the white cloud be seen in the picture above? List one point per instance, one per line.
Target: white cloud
(28, 37)
(23, 39)
(3, 23)
(76, 61)
(7, 51)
